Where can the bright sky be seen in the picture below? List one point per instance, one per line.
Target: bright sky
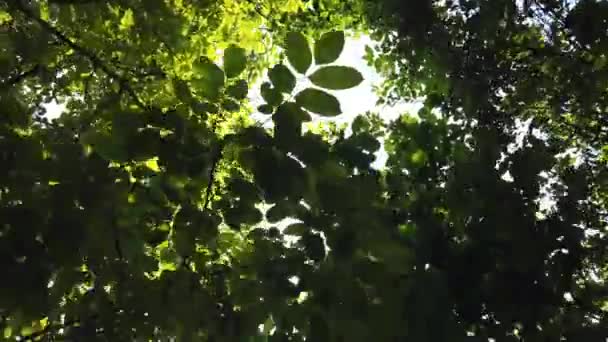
(356, 100)
(362, 98)
(353, 101)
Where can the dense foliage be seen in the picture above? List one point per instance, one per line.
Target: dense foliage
(156, 208)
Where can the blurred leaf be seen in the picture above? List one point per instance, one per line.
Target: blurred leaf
(238, 90)
(230, 105)
(265, 109)
(296, 229)
(208, 79)
(235, 61)
(271, 95)
(105, 145)
(182, 91)
(288, 120)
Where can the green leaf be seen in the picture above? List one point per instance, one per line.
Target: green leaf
(7, 332)
(366, 141)
(276, 213)
(238, 90)
(244, 189)
(242, 214)
(318, 101)
(208, 78)
(298, 51)
(282, 78)
(167, 255)
(183, 242)
(329, 47)
(336, 77)
(265, 109)
(125, 124)
(202, 108)
(258, 338)
(419, 157)
(230, 105)
(206, 69)
(271, 95)
(181, 90)
(127, 21)
(313, 245)
(360, 123)
(235, 61)
(369, 54)
(293, 111)
(253, 136)
(105, 145)
(144, 144)
(288, 120)
(296, 229)
(268, 325)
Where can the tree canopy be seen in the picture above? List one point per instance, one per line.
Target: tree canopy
(155, 208)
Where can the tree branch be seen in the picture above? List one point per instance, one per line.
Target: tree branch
(92, 57)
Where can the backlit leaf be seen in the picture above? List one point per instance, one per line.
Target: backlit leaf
(282, 78)
(298, 51)
(235, 61)
(296, 229)
(271, 95)
(230, 105)
(329, 47)
(265, 109)
(208, 78)
(108, 148)
(336, 77)
(238, 90)
(288, 120)
(318, 101)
